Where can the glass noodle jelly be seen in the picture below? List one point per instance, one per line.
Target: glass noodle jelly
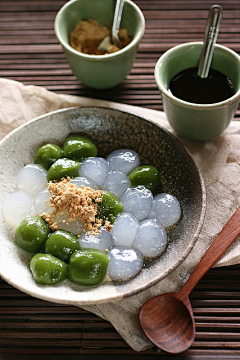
(190, 87)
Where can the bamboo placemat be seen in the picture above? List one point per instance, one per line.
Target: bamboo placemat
(34, 327)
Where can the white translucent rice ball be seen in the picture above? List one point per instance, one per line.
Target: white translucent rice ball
(94, 168)
(166, 209)
(76, 227)
(79, 181)
(123, 160)
(41, 202)
(32, 178)
(17, 206)
(151, 238)
(137, 201)
(101, 241)
(124, 263)
(116, 182)
(124, 229)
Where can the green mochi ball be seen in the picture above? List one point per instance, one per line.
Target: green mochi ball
(88, 267)
(78, 147)
(32, 233)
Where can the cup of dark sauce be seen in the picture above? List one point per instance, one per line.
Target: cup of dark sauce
(199, 108)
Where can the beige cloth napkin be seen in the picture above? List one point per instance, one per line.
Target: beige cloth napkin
(218, 160)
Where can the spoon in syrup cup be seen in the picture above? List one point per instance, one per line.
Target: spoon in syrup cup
(202, 85)
(210, 38)
(168, 320)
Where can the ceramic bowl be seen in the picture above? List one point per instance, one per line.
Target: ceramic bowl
(109, 129)
(99, 71)
(199, 122)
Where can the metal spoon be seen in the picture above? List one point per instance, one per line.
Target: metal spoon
(211, 34)
(168, 320)
(113, 39)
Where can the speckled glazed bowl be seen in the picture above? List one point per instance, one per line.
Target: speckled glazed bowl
(109, 129)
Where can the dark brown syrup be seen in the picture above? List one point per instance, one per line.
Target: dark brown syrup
(188, 86)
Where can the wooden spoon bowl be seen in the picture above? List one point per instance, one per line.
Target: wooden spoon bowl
(174, 316)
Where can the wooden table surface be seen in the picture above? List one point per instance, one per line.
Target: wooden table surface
(29, 53)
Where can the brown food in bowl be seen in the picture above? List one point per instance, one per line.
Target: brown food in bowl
(88, 34)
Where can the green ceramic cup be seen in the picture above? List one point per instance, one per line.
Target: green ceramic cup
(197, 122)
(99, 71)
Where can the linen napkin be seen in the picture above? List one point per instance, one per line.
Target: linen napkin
(219, 163)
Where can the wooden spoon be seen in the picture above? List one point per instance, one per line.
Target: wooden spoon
(167, 320)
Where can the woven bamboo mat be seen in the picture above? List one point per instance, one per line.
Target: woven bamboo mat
(34, 327)
(29, 53)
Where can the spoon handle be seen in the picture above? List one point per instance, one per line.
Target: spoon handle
(116, 22)
(224, 239)
(211, 34)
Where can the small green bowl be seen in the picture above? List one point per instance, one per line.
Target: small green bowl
(198, 122)
(99, 71)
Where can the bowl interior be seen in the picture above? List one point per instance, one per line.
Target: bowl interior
(76, 10)
(109, 129)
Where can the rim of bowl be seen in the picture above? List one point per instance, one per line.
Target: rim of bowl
(118, 53)
(170, 96)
